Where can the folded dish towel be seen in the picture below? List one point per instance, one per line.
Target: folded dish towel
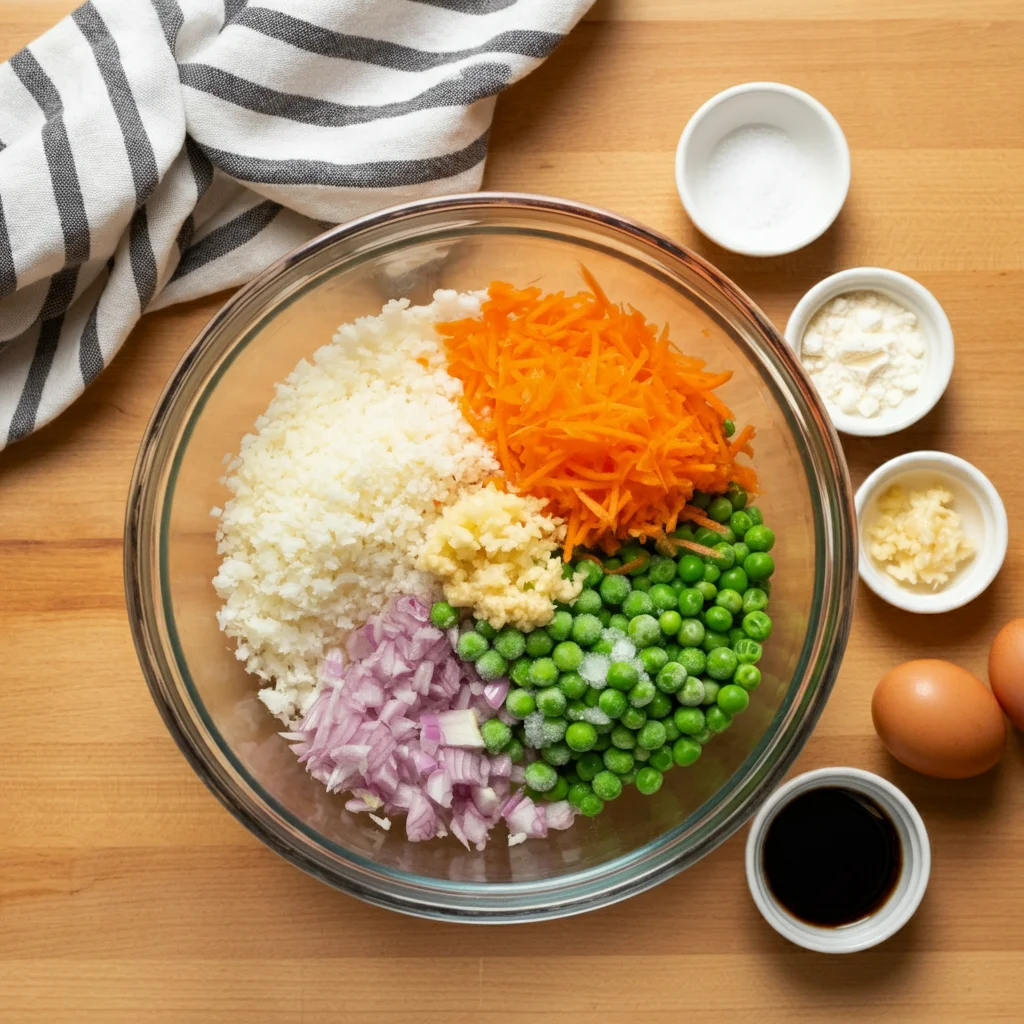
(156, 151)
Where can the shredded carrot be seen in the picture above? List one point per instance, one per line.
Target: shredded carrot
(588, 405)
(636, 563)
(591, 558)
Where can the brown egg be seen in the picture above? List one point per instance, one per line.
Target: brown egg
(1006, 670)
(938, 719)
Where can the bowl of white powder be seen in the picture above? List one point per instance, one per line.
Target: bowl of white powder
(878, 347)
(763, 169)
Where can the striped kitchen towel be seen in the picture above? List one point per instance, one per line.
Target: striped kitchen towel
(152, 151)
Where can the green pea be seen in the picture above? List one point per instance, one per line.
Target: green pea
(592, 572)
(720, 509)
(678, 586)
(748, 676)
(725, 558)
(713, 639)
(742, 551)
(718, 619)
(591, 805)
(491, 665)
(685, 751)
(684, 532)
(578, 792)
(550, 701)
(619, 622)
(612, 702)
(693, 693)
(722, 663)
(693, 659)
(510, 642)
(653, 659)
(581, 736)
(544, 672)
(757, 625)
(663, 597)
(622, 737)
(538, 644)
(614, 589)
(671, 732)
(712, 574)
(671, 677)
(718, 720)
(568, 655)
(670, 623)
(592, 697)
(691, 633)
(560, 790)
(707, 590)
(758, 565)
(633, 718)
(730, 600)
(471, 646)
(622, 675)
(575, 710)
(560, 625)
(708, 538)
(603, 740)
(586, 630)
(755, 600)
(739, 523)
(690, 602)
(612, 563)
(728, 428)
(735, 635)
(573, 685)
(711, 688)
(759, 538)
(700, 499)
(607, 785)
(662, 757)
(748, 652)
(734, 579)
(662, 570)
(733, 699)
(588, 603)
(618, 760)
(519, 703)
(660, 707)
(644, 631)
(604, 646)
(652, 734)
(637, 603)
(642, 584)
(485, 629)
(672, 650)
(649, 780)
(755, 515)
(605, 616)
(557, 753)
(737, 496)
(443, 615)
(688, 721)
(540, 776)
(766, 586)
(690, 568)
(496, 735)
(515, 750)
(642, 693)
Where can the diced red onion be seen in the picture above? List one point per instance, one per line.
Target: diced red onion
(501, 766)
(460, 729)
(439, 788)
(559, 814)
(496, 692)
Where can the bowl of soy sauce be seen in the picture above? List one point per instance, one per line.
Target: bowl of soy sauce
(838, 860)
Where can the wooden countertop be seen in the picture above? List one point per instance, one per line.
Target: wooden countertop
(129, 896)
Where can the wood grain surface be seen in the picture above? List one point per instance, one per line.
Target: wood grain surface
(129, 896)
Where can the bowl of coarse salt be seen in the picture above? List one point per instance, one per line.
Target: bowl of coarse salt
(878, 347)
(762, 169)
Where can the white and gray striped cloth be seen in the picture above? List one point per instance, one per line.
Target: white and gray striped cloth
(153, 151)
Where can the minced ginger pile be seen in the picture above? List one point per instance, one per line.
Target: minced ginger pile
(493, 552)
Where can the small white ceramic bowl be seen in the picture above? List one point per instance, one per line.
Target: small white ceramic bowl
(817, 137)
(906, 896)
(934, 324)
(982, 518)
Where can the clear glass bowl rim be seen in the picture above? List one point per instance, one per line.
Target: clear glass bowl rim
(721, 816)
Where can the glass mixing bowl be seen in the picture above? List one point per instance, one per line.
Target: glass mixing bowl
(227, 379)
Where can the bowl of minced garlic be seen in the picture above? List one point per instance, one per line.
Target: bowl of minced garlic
(933, 532)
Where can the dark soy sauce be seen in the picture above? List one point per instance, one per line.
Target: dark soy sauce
(832, 856)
